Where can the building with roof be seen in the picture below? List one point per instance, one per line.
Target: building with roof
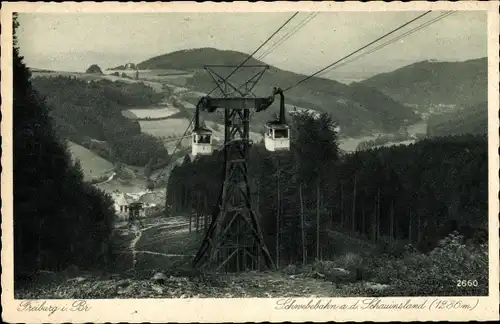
(122, 203)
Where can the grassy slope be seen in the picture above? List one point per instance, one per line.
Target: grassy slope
(166, 246)
(93, 165)
(156, 86)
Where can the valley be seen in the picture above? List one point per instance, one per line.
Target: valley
(180, 89)
(167, 116)
(379, 186)
(354, 205)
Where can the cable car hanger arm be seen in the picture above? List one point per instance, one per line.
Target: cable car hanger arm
(238, 103)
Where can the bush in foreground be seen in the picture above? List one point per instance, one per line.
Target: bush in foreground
(451, 269)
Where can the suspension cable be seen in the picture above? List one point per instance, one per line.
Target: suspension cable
(356, 51)
(258, 48)
(234, 71)
(285, 37)
(428, 23)
(175, 149)
(329, 67)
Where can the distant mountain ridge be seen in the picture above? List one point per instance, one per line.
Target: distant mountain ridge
(357, 107)
(195, 59)
(436, 82)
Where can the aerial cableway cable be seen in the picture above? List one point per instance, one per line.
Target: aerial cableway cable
(357, 51)
(258, 48)
(327, 68)
(284, 38)
(289, 34)
(227, 77)
(428, 23)
(175, 149)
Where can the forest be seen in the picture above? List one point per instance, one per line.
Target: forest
(314, 198)
(59, 221)
(467, 120)
(423, 206)
(83, 111)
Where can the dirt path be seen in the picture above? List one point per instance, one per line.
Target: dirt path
(162, 247)
(138, 234)
(133, 243)
(157, 241)
(164, 254)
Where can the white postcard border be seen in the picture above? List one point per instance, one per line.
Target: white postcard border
(246, 309)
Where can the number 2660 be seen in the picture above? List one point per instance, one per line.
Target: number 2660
(467, 283)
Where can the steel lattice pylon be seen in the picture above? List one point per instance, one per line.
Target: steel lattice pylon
(234, 240)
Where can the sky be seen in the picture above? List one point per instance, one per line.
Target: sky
(74, 41)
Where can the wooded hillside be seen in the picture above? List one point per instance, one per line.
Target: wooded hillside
(357, 108)
(84, 111)
(469, 120)
(428, 82)
(407, 194)
(59, 221)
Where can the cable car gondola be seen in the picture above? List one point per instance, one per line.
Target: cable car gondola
(201, 143)
(277, 136)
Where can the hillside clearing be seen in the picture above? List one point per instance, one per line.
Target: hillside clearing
(93, 166)
(218, 132)
(165, 245)
(120, 185)
(156, 86)
(154, 261)
(164, 128)
(153, 113)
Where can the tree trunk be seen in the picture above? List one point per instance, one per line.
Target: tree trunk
(419, 228)
(363, 221)
(373, 222)
(258, 197)
(278, 218)
(197, 220)
(190, 219)
(341, 205)
(206, 212)
(302, 226)
(410, 237)
(353, 217)
(396, 227)
(39, 244)
(378, 216)
(317, 221)
(391, 222)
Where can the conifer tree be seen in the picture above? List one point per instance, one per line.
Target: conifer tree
(58, 219)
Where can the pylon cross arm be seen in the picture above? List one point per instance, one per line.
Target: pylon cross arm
(236, 103)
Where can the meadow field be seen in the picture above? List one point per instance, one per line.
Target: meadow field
(176, 77)
(164, 128)
(154, 84)
(94, 166)
(153, 113)
(218, 132)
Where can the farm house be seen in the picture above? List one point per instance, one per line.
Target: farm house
(121, 206)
